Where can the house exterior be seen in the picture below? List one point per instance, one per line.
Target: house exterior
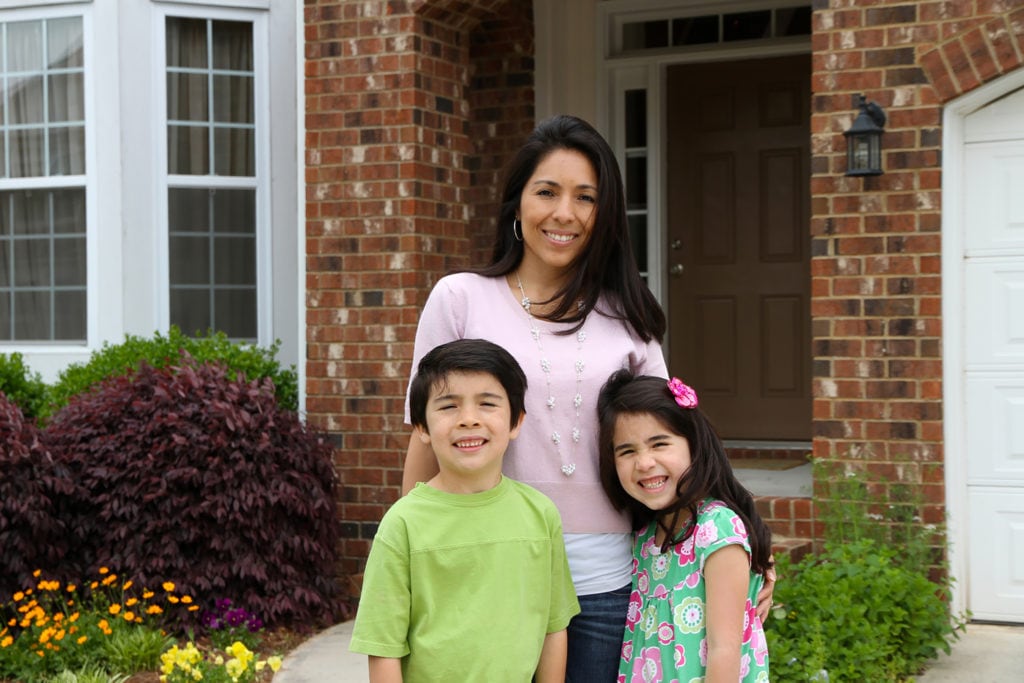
(306, 171)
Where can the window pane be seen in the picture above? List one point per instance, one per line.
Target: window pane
(189, 209)
(234, 260)
(232, 45)
(67, 151)
(695, 30)
(25, 100)
(68, 212)
(25, 46)
(32, 259)
(190, 310)
(644, 35)
(638, 237)
(186, 42)
(747, 25)
(188, 150)
(69, 315)
(29, 212)
(190, 260)
(636, 118)
(236, 313)
(5, 263)
(233, 99)
(636, 182)
(187, 97)
(234, 151)
(235, 211)
(65, 43)
(27, 153)
(5, 316)
(67, 97)
(32, 315)
(69, 262)
(793, 21)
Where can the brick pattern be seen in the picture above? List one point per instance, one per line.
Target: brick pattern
(876, 288)
(398, 111)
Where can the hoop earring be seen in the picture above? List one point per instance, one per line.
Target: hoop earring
(519, 237)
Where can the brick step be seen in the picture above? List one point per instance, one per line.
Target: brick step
(795, 548)
(788, 516)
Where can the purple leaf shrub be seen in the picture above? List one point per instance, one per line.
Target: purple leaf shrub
(32, 535)
(191, 476)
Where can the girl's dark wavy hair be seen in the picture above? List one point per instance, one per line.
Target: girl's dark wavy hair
(607, 265)
(710, 474)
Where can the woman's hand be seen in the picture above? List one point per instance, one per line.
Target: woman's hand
(764, 597)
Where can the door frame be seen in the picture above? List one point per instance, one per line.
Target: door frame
(954, 333)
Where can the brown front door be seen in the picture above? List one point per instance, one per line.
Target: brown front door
(738, 211)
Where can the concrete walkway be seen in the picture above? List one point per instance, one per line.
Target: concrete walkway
(987, 653)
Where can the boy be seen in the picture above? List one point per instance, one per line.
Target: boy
(467, 578)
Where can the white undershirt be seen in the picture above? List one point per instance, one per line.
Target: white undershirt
(599, 562)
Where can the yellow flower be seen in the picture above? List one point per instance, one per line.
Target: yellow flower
(37, 572)
(104, 570)
(147, 594)
(109, 580)
(19, 596)
(73, 617)
(82, 639)
(131, 602)
(186, 599)
(129, 615)
(71, 588)
(154, 609)
(94, 584)
(168, 586)
(6, 642)
(127, 584)
(172, 599)
(193, 608)
(114, 609)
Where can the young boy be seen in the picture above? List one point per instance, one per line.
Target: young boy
(467, 578)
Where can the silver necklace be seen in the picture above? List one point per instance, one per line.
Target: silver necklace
(545, 365)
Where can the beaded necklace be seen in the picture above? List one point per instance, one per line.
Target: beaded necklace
(545, 365)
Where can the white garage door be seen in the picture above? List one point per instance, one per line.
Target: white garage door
(993, 277)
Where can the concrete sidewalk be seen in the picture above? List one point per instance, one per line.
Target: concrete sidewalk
(987, 653)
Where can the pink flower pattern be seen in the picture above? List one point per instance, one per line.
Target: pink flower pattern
(659, 650)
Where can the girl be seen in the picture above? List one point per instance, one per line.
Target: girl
(701, 551)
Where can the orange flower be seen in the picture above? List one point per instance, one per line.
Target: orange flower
(114, 609)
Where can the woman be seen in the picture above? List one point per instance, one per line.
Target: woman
(562, 294)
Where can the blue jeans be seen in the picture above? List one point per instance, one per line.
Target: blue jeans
(595, 637)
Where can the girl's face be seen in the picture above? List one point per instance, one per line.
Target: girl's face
(649, 459)
(557, 210)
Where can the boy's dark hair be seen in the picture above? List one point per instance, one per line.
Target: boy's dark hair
(710, 474)
(466, 355)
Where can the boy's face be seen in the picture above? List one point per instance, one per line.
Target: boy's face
(468, 426)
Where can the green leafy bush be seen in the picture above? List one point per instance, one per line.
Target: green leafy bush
(190, 473)
(114, 360)
(22, 386)
(864, 608)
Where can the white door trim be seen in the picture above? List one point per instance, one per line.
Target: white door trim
(953, 327)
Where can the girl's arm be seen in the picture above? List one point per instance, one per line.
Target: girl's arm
(551, 667)
(420, 464)
(727, 578)
(385, 670)
(764, 596)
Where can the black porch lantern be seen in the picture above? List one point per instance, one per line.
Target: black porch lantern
(864, 140)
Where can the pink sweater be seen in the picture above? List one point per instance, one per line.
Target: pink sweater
(468, 306)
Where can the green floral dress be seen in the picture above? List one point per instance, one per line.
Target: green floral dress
(666, 633)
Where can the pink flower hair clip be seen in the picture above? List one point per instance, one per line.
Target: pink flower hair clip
(685, 396)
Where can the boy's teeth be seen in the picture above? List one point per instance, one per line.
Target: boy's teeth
(471, 444)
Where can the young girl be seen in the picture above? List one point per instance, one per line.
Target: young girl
(701, 550)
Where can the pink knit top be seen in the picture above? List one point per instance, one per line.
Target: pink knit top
(468, 306)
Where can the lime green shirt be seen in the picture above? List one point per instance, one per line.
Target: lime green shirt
(465, 587)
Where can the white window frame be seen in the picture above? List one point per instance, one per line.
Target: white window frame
(164, 180)
(97, 284)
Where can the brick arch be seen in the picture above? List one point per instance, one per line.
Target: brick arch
(460, 15)
(976, 56)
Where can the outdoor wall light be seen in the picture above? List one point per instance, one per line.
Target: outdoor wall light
(864, 140)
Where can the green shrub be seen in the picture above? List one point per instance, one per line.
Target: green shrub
(23, 387)
(864, 608)
(856, 613)
(115, 360)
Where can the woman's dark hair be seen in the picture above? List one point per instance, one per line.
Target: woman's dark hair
(607, 264)
(710, 474)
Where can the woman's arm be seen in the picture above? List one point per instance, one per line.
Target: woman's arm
(727, 578)
(551, 667)
(420, 464)
(385, 670)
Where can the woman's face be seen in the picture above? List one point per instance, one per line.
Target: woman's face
(557, 210)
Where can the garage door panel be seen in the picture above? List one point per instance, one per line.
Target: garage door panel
(995, 320)
(995, 212)
(995, 431)
(997, 554)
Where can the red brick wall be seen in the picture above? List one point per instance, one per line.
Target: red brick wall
(399, 105)
(876, 283)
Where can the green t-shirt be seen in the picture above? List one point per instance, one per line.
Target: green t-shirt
(465, 587)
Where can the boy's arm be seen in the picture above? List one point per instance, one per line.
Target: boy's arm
(385, 670)
(727, 576)
(551, 667)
